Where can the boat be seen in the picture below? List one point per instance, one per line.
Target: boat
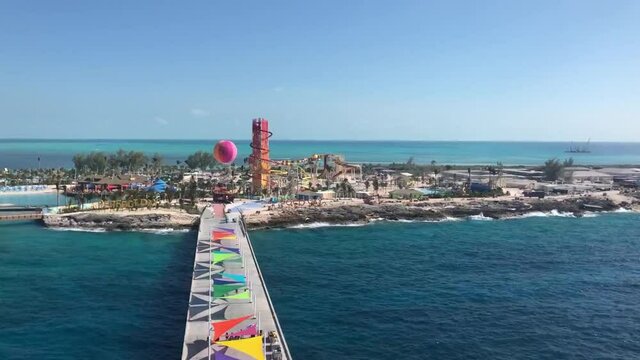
(578, 149)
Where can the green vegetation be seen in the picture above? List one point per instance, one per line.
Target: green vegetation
(98, 162)
(554, 170)
(200, 160)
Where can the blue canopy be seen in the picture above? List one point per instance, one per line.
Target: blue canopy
(158, 186)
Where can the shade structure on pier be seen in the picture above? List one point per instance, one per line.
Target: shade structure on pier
(218, 257)
(237, 277)
(221, 327)
(228, 248)
(246, 295)
(220, 290)
(250, 346)
(223, 281)
(222, 234)
(251, 330)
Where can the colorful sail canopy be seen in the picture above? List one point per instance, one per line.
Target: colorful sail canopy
(250, 346)
(221, 327)
(218, 257)
(251, 330)
(237, 277)
(223, 281)
(228, 248)
(223, 234)
(221, 290)
(246, 295)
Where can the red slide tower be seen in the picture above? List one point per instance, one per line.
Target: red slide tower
(259, 159)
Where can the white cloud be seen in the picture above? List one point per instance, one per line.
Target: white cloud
(161, 121)
(200, 113)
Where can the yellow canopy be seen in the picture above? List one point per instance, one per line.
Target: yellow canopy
(250, 346)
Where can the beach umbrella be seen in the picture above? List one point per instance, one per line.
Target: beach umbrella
(225, 152)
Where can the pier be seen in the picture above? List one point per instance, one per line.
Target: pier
(19, 213)
(230, 314)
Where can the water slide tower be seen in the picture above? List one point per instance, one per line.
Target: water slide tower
(259, 159)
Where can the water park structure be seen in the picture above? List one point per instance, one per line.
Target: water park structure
(259, 158)
(291, 175)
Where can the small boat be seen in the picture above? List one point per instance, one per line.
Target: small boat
(578, 149)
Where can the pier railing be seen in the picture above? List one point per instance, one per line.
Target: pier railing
(283, 342)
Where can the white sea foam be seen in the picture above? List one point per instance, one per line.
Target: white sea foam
(557, 213)
(552, 213)
(480, 217)
(316, 225)
(93, 230)
(166, 231)
(622, 210)
(589, 215)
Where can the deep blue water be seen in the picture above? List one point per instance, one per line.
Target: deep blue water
(82, 295)
(535, 288)
(55, 153)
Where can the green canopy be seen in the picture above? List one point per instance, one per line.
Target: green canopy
(218, 257)
(220, 290)
(246, 295)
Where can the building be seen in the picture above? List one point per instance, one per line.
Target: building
(406, 194)
(315, 195)
(111, 183)
(580, 176)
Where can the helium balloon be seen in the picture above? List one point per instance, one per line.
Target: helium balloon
(225, 152)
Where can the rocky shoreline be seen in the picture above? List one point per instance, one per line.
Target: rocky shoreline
(123, 222)
(359, 213)
(362, 213)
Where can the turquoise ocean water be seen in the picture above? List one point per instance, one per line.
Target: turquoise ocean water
(54, 153)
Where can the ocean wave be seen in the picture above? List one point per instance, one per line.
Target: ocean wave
(622, 210)
(589, 215)
(167, 231)
(552, 213)
(479, 217)
(317, 225)
(93, 230)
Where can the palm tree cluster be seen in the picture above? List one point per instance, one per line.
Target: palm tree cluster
(344, 189)
(119, 162)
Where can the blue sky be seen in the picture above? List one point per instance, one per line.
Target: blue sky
(419, 70)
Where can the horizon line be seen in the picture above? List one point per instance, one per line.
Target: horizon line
(312, 140)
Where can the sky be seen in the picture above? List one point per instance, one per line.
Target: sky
(360, 70)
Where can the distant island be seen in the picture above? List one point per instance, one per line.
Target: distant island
(132, 191)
